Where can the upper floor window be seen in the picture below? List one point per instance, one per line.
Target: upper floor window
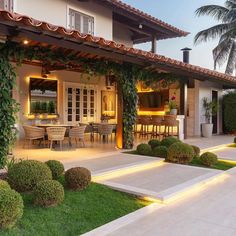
(7, 5)
(81, 22)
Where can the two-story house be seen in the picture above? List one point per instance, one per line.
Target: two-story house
(99, 28)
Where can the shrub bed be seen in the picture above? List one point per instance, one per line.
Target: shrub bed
(154, 143)
(144, 149)
(4, 184)
(11, 207)
(196, 150)
(24, 175)
(56, 168)
(77, 178)
(180, 153)
(208, 159)
(160, 151)
(48, 193)
(167, 142)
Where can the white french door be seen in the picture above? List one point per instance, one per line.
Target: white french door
(80, 104)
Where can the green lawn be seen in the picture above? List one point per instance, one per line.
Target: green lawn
(80, 212)
(221, 165)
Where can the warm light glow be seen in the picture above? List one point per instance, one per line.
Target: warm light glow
(151, 113)
(42, 116)
(25, 42)
(150, 199)
(197, 189)
(127, 171)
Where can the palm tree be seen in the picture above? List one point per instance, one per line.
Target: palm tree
(225, 31)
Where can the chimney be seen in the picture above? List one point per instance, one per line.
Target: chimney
(186, 52)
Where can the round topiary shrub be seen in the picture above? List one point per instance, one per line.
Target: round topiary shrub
(154, 143)
(11, 207)
(48, 193)
(56, 168)
(4, 184)
(160, 151)
(180, 153)
(77, 178)
(208, 159)
(24, 175)
(196, 150)
(144, 149)
(167, 142)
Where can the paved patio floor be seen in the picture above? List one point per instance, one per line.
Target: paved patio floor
(227, 153)
(209, 212)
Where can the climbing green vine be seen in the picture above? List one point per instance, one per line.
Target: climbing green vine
(126, 74)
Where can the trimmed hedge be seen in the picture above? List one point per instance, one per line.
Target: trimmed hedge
(24, 175)
(144, 149)
(160, 151)
(180, 153)
(11, 207)
(196, 150)
(56, 167)
(167, 142)
(4, 184)
(208, 159)
(154, 143)
(229, 112)
(77, 178)
(48, 193)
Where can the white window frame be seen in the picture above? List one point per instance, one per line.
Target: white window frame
(82, 12)
(7, 7)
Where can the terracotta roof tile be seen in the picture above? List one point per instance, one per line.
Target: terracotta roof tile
(17, 19)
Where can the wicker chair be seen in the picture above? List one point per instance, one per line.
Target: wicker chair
(33, 133)
(56, 134)
(105, 130)
(77, 133)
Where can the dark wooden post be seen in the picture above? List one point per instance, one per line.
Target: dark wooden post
(184, 104)
(154, 44)
(119, 131)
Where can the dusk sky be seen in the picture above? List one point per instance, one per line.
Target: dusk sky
(181, 14)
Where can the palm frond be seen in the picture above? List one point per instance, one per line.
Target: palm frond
(230, 16)
(230, 4)
(216, 11)
(221, 52)
(231, 65)
(211, 33)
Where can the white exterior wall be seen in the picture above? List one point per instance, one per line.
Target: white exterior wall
(56, 12)
(22, 93)
(202, 90)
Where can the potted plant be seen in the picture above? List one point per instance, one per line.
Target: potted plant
(173, 106)
(210, 109)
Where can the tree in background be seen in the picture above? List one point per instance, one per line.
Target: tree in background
(225, 32)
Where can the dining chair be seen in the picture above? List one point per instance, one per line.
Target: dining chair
(33, 133)
(105, 130)
(56, 134)
(77, 133)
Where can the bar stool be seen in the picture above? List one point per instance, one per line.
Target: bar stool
(145, 121)
(137, 123)
(171, 128)
(157, 123)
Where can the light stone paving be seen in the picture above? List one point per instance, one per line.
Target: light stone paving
(162, 182)
(210, 212)
(228, 153)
